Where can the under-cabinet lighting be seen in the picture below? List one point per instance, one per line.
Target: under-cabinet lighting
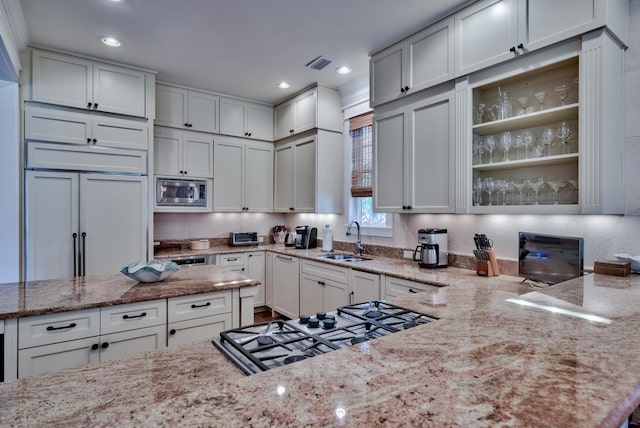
(110, 41)
(561, 311)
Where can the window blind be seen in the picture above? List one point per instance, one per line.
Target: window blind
(361, 131)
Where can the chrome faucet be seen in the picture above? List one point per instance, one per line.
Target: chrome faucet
(359, 246)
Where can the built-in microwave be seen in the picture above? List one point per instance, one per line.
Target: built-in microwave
(182, 193)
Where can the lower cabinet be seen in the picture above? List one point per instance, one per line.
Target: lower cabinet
(268, 280)
(323, 287)
(396, 287)
(255, 262)
(198, 317)
(363, 286)
(286, 285)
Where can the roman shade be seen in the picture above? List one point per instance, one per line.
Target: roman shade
(361, 131)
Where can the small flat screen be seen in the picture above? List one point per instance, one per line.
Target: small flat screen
(550, 259)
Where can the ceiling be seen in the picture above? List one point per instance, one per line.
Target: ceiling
(236, 47)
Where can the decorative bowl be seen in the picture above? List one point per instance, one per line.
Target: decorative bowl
(151, 271)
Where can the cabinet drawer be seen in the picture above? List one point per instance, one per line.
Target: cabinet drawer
(206, 328)
(61, 327)
(395, 287)
(232, 259)
(199, 305)
(124, 344)
(57, 126)
(132, 316)
(126, 134)
(57, 356)
(326, 270)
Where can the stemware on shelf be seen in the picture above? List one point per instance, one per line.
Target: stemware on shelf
(527, 139)
(518, 143)
(489, 187)
(522, 102)
(540, 98)
(490, 145)
(564, 133)
(478, 186)
(506, 141)
(555, 187)
(562, 91)
(479, 112)
(536, 185)
(477, 149)
(548, 135)
(520, 186)
(503, 187)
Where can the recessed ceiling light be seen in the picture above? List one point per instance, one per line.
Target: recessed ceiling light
(110, 41)
(344, 69)
(283, 85)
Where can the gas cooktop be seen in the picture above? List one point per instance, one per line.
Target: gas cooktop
(263, 346)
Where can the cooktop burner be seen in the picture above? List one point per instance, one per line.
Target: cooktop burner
(263, 346)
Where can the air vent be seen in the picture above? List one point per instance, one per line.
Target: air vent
(319, 63)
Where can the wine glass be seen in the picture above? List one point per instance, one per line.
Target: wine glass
(505, 143)
(489, 187)
(478, 186)
(522, 102)
(555, 187)
(548, 135)
(503, 186)
(490, 145)
(540, 98)
(562, 91)
(536, 185)
(564, 133)
(517, 142)
(520, 186)
(477, 149)
(527, 139)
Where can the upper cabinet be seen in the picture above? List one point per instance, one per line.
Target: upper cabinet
(182, 153)
(186, 109)
(81, 83)
(492, 31)
(319, 107)
(423, 60)
(246, 119)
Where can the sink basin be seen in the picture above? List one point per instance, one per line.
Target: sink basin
(341, 257)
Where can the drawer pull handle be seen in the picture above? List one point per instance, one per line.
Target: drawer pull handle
(105, 345)
(172, 331)
(95, 347)
(52, 328)
(128, 317)
(194, 306)
(411, 290)
(234, 259)
(285, 258)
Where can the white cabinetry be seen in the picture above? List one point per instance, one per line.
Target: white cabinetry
(363, 286)
(198, 317)
(414, 157)
(82, 83)
(256, 264)
(234, 262)
(178, 107)
(319, 107)
(300, 182)
(83, 224)
(268, 280)
(246, 119)
(62, 126)
(397, 287)
(183, 153)
(323, 287)
(243, 176)
(286, 285)
(423, 60)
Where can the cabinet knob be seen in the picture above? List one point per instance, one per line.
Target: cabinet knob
(94, 347)
(249, 134)
(409, 207)
(172, 331)
(512, 49)
(291, 131)
(291, 208)
(520, 46)
(95, 140)
(95, 106)
(406, 89)
(190, 125)
(185, 173)
(411, 290)
(402, 90)
(88, 105)
(88, 140)
(105, 345)
(186, 124)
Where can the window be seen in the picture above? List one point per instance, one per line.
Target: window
(361, 132)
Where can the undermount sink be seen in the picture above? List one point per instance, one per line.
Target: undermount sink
(341, 257)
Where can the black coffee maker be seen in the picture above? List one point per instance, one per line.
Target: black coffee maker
(306, 237)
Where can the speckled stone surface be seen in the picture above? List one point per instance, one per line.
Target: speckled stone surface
(23, 299)
(536, 360)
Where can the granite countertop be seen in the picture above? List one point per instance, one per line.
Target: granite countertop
(500, 355)
(29, 298)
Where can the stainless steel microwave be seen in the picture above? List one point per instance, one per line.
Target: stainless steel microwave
(182, 193)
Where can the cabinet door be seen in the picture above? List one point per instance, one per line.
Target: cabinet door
(233, 117)
(256, 270)
(126, 134)
(197, 155)
(336, 294)
(228, 180)
(203, 112)
(118, 90)
(56, 126)
(258, 186)
(171, 106)
(284, 164)
(167, 153)
(364, 286)
(58, 356)
(285, 120)
(389, 155)
(199, 329)
(286, 287)
(485, 33)
(52, 215)
(387, 71)
(430, 57)
(305, 111)
(131, 342)
(260, 122)
(431, 184)
(114, 217)
(304, 180)
(311, 295)
(268, 280)
(61, 79)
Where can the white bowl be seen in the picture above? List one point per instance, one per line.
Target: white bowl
(152, 271)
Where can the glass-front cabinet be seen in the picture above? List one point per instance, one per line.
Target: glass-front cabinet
(543, 134)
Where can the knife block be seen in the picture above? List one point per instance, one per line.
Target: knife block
(483, 268)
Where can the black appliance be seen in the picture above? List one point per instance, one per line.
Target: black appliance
(306, 237)
(263, 346)
(548, 258)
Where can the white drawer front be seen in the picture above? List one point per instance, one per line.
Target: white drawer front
(54, 328)
(120, 133)
(232, 259)
(199, 305)
(396, 287)
(124, 344)
(198, 329)
(326, 271)
(58, 356)
(56, 126)
(132, 316)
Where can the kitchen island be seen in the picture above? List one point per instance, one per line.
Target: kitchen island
(500, 355)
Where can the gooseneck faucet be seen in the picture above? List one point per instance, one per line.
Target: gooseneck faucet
(359, 246)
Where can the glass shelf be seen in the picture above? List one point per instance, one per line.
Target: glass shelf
(530, 120)
(569, 158)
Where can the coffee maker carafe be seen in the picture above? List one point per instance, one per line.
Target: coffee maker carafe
(433, 250)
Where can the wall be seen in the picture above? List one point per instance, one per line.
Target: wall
(604, 235)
